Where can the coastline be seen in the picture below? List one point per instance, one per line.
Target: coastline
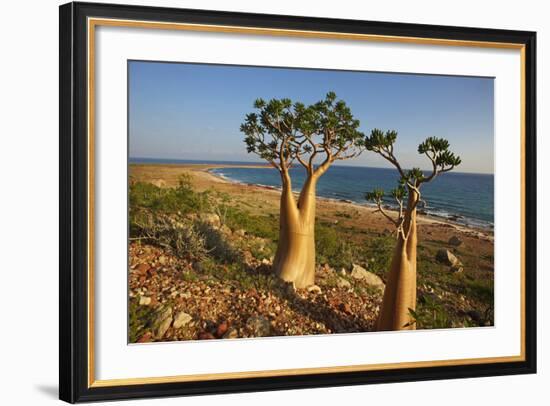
(348, 235)
(166, 174)
(426, 216)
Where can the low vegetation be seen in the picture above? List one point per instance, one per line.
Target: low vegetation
(206, 255)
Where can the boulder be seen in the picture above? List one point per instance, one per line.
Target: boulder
(163, 322)
(455, 241)
(360, 273)
(448, 258)
(260, 326)
(240, 232)
(182, 319)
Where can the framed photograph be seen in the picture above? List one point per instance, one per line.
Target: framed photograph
(257, 202)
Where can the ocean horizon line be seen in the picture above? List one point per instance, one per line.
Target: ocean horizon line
(229, 162)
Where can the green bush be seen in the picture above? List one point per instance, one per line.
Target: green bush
(260, 226)
(378, 253)
(430, 314)
(331, 248)
(181, 199)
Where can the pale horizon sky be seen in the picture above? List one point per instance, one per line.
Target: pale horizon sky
(194, 111)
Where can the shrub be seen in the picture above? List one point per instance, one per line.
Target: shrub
(216, 243)
(180, 237)
(260, 226)
(430, 315)
(331, 248)
(182, 199)
(379, 251)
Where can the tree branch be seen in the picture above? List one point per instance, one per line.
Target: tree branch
(385, 214)
(304, 163)
(387, 154)
(434, 168)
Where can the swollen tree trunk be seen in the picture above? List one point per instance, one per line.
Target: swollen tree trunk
(400, 292)
(295, 257)
(412, 242)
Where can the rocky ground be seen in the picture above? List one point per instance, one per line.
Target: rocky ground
(172, 300)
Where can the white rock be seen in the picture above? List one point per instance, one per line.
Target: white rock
(314, 289)
(144, 300)
(182, 319)
(360, 273)
(163, 322)
(448, 258)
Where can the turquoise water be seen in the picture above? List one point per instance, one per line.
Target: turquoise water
(463, 197)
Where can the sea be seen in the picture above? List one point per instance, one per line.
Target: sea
(464, 198)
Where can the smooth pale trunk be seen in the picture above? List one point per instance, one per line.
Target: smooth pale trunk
(295, 257)
(400, 292)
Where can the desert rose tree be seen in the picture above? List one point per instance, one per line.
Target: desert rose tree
(315, 136)
(400, 294)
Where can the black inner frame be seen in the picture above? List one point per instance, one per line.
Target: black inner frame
(73, 247)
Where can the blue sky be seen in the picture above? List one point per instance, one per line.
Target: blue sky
(193, 111)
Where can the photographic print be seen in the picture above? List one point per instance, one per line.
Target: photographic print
(287, 201)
